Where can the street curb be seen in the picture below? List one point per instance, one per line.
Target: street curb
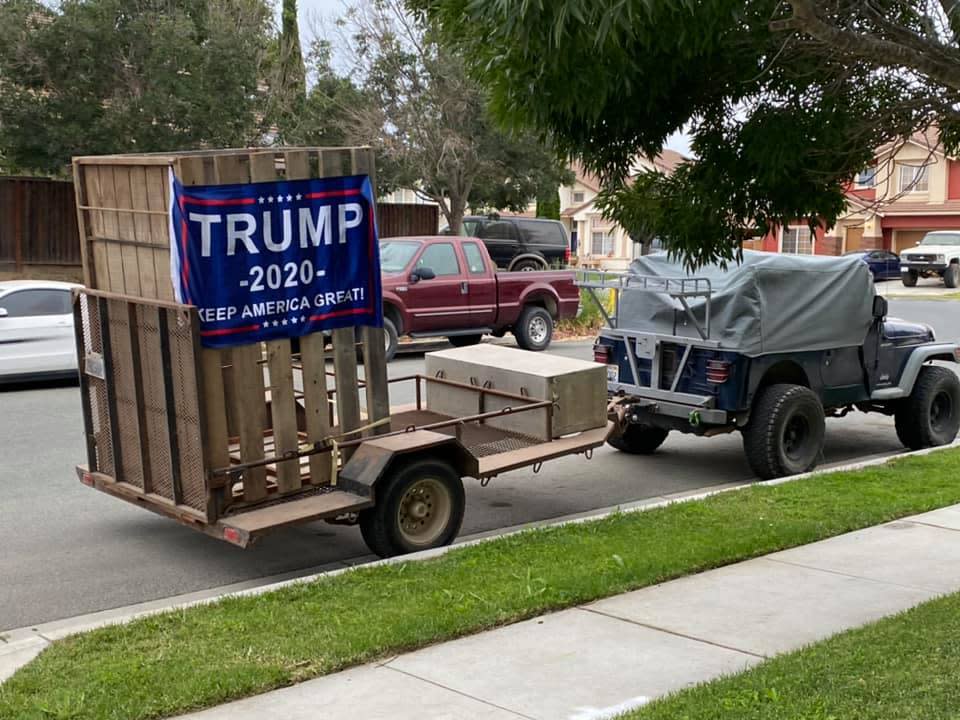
(20, 646)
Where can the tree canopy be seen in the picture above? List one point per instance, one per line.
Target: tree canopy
(108, 76)
(784, 101)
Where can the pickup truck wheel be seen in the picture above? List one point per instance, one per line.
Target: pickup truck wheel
(951, 276)
(420, 506)
(638, 439)
(909, 278)
(785, 433)
(391, 338)
(464, 340)
(534, 329)
(931, 415)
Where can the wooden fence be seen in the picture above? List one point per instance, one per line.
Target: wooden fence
(38, 223)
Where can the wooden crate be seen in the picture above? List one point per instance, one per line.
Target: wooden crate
(252, 402)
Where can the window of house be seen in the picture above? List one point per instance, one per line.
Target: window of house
(797, 240)
(913, 178)
(601, 243)
(578, 197)
(866, 178)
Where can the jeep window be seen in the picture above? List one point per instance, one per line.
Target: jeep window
(475, 262)
(540, 232)
(441, 258)
(499, 230)
(395, 255)
(941, 239)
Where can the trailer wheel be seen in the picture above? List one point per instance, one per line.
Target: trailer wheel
(930, 417)
(534, 328)
(785, 433)
(638, 439)
(419, 506)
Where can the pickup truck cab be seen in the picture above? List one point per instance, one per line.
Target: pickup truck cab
(447, 286)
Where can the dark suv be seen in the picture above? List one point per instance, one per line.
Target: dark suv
(517, 243)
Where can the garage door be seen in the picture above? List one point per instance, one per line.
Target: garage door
(905, 239)
(854, 238)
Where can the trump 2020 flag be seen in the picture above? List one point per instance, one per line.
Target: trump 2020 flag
(279, 259)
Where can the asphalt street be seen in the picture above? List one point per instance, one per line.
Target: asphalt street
(66, 550)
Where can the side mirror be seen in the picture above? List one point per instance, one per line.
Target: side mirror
(3, 312)
(880, 307)
(423, 273)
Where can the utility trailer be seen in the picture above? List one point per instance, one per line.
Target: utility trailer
(237, 442)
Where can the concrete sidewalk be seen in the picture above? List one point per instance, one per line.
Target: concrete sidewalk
(597, 660)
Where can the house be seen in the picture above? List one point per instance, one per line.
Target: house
(912, 188)
(594, 240)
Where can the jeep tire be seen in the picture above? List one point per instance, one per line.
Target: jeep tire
(638, 439)
(909, 278)
(785, 433)
(534, 328)
(951, 276)
(931, 415)
(419, 506)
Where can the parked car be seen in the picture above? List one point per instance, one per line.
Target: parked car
(519, 244)
(36, 330)
(447, 286)
(768, 349)
(883, 264)
(937, 255)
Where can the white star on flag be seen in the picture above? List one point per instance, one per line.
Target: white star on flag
(270, 198)
(265, 325)
(275, 323)
(299, 196)
(284, 321)
(303, 319)
(260, 199)
(293, 320)
(289, 198)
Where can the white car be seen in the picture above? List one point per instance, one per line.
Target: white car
(36, 330)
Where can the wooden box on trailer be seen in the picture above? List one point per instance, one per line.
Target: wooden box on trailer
(166, 418)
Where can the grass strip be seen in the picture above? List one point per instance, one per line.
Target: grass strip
(899, 668)
(189, 659)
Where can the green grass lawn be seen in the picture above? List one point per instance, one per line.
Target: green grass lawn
(905, 667)
(183, 660)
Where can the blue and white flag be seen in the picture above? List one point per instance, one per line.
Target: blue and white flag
(279, 259)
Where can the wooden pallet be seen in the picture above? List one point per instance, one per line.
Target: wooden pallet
(246, 398)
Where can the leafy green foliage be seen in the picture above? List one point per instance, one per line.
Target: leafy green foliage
(183, 660)
(111, 76)
(780, 121)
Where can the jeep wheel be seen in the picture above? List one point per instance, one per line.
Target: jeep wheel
(785, 433)
(419, 506)
(534, 328)
(951, 276)
(909, 278)
(638, 439)
(931, 415)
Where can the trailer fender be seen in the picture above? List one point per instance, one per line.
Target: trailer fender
(375, 457)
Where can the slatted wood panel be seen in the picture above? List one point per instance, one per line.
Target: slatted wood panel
(244, 417)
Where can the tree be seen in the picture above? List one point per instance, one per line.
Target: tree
(111, 76)
(288, 79)
(785, 101)
(430, 124)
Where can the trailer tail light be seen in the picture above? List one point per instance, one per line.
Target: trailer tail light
(232, 535)
(87, 479)
(601, 354)
(718, 371)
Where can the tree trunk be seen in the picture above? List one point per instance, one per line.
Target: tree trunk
(458, 207)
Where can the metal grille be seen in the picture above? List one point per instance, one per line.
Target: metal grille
(154, 409)
(125, 395)
(506, 444)
(97, 388)
(184, 376)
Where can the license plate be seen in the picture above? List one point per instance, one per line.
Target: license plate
(613, 373)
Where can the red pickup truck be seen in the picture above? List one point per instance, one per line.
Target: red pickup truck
(448, 286)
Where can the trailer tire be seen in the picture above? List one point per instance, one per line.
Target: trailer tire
(534, 328)
(639, 439)
(785, 433)
(930, 417)
(419, 506)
